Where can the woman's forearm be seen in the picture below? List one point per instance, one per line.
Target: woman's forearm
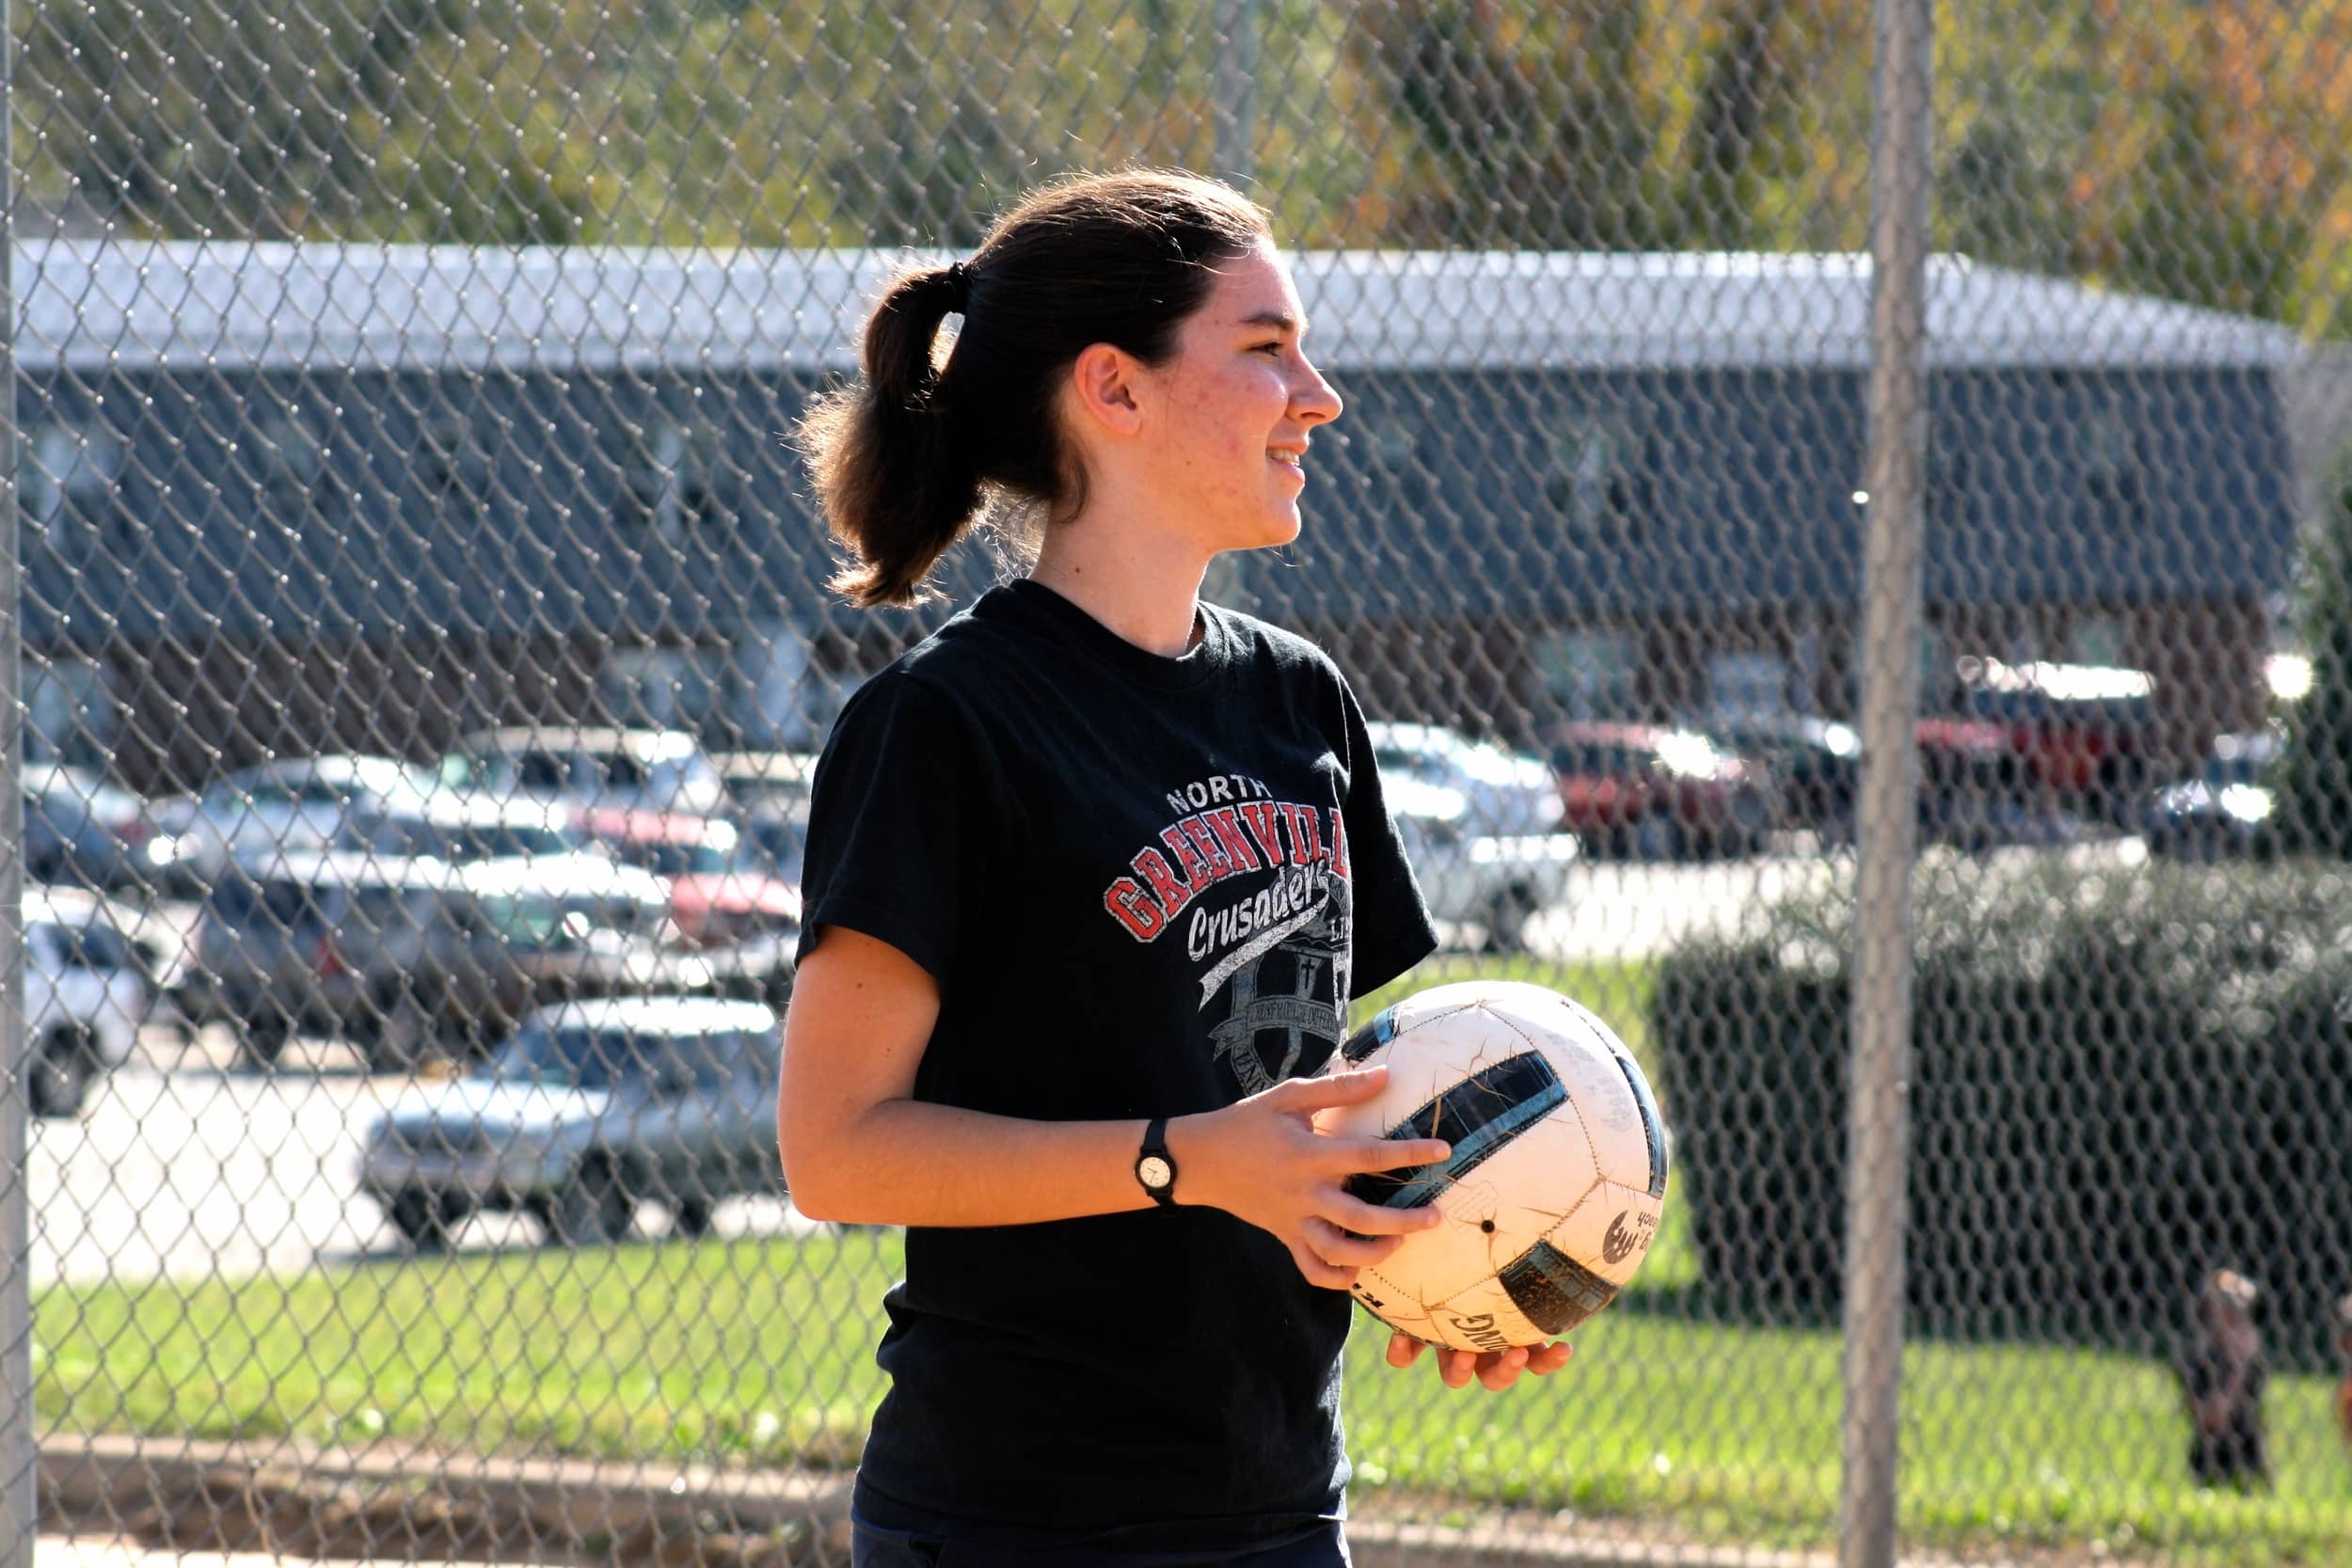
(906, 1162)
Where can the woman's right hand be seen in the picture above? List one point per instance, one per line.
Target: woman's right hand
(1263, 1160)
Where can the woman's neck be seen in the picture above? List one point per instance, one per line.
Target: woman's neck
(1145, 588)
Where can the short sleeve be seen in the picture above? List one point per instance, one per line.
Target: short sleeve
(889, 846)
(1392, 927)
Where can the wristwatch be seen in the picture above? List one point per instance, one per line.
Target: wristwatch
(1155, 1168)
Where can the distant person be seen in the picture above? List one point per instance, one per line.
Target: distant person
(2222, 1373)
(2342, 1319)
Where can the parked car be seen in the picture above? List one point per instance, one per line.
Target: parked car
(587, 1111)
(777, 838)
(1502, 791)
(2225, 812)
(297, 805)
(718, 894)
(86, 993)
(759, 779)
(1815, 764)
(403, 956)
(2081, 738)
(1652, 790)
(628, 769)
(81, 830)
(1496, 882)
(541, 847)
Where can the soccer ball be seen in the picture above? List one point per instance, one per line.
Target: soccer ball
(1559, 1170)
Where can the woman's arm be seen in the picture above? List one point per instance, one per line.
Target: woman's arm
(857, 1147)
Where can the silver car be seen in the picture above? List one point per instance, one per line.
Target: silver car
(1494, 881)
(589, 1110)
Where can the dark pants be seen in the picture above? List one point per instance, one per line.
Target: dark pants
(871, 1547)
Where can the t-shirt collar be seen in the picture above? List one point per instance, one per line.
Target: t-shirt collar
(1033, 601)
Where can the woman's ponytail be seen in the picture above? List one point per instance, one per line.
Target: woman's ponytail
(908, 458)
(893, 463)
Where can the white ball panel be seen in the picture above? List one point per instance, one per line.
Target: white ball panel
(1610, 1231)
(1482, 1318)
(1604, 1102)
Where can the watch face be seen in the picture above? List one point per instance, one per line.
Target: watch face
(1154, 1172)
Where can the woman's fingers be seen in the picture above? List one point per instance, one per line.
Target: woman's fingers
(1346, 1250)
(1494, 1369)
(1365, 1156)
(1332, 1276)
(1327, 1091)
(1547, 1359)
(1353, 1215)
(1499, 1370)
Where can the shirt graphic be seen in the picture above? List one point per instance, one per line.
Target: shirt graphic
(1257, 892)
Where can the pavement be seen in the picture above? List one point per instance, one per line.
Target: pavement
(53, 1551)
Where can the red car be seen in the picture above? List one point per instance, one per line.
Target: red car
(2079, 735)
(717, 894)
(1647, 788)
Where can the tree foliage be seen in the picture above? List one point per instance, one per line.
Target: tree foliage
(2182, 147)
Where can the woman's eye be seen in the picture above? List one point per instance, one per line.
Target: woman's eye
(1270, 348)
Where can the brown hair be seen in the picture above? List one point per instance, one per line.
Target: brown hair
(908, 456)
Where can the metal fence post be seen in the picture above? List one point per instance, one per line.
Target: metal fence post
(1879, 1113)
(18, 1492)
(1236, 105)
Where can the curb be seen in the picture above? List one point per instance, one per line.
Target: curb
(395, 1500)
(392, 1501)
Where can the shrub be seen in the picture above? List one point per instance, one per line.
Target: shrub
(2119, 1080)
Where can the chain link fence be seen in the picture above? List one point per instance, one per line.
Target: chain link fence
(424, 625)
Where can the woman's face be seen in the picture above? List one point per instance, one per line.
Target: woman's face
(1236, 405)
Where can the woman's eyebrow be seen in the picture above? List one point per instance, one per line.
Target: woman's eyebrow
(1280, 321)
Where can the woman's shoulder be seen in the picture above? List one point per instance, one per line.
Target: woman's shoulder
(1264, 642)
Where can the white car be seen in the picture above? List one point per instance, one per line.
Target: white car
(517, 848)
(86, 994)
(1501, 791)
(1495, 881)
(296, 805)
(620, 768)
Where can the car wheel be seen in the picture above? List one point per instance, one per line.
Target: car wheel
(596, 1206)
(262, 1038)
(692, 1216)
(401, 1037)
(1506, 917)
(424, 1220)
(57, 1080)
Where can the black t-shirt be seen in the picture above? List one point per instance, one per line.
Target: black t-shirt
(1147, 886)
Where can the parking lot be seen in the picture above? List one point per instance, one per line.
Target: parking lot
(185, 1164)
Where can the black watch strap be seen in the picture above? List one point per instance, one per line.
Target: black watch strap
(1155, 1168)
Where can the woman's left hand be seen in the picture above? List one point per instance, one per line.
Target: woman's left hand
(1496, 1370)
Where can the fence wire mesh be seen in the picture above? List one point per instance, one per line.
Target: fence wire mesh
(424, 624)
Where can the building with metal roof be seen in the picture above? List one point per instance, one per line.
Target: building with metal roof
(283, 494)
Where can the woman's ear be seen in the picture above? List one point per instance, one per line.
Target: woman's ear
(1103, 390)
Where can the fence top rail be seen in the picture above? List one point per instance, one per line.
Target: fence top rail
(96, 306)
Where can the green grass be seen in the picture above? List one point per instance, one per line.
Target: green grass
(761, 1350)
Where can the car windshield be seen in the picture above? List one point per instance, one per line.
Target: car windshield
(664, 858)
(1694, 756)
(241, 903)
(506, 841)
(533, 920)
(580, 1057)
(2228, 772)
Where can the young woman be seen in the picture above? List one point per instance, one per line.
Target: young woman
(1093, 876)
